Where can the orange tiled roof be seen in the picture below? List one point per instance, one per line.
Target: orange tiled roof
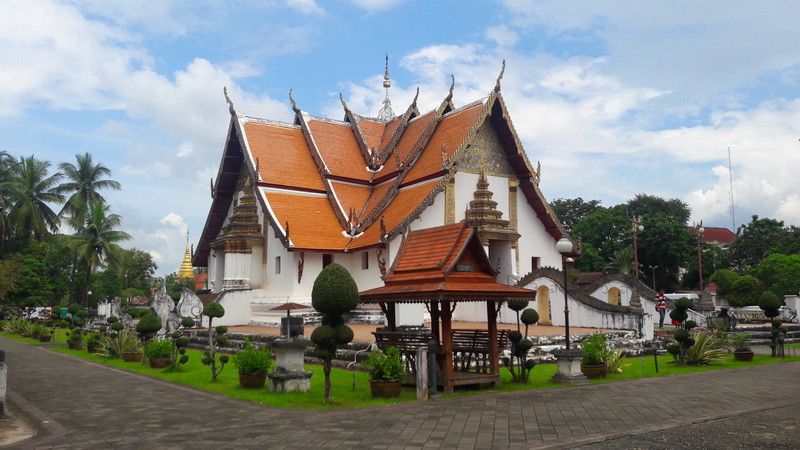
(283, 156)
(315, 172)
(339, 149)
(442, 261)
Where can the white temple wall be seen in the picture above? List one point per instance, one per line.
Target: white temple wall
(582, 315)
(256, 269)
(534, 241)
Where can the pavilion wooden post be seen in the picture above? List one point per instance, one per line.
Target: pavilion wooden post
(391, 316)
(448, 377)
(494, 350)
(435, 321)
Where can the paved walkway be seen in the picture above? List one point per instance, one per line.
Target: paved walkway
(86, 405)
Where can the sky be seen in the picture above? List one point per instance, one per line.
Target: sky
(612, 98)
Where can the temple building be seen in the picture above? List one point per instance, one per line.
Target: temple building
(291, 198)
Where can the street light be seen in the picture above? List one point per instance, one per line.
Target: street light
(636, 224)
(700, 231)
(564, 246)
(654, 276)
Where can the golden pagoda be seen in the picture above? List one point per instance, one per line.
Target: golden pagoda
(186, 270)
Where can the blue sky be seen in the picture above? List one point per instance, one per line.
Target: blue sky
(613, 98)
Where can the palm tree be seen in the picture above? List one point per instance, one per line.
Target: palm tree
(621, 262)
(6, 162)
(84, 180)
(29, 189)
(95, 241)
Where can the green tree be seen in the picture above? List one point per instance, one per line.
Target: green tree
(9, 278)
(780, 274)
(666, 243)
(725, 280)
(83, 181)
(621, 262)
(652, 205)
(757, 240)
(745, 291)
(606, 229)
(138, 269)
(29, 189)
(590, 260)
(570, 211)
(334, 293)
(95, 242)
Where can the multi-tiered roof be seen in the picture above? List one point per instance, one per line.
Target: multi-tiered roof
(340, 185)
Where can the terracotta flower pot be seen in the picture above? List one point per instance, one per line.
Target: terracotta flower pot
(158, 363)
(252, 380)
(594, 371)
(133, 356)
(75, 345)
(746, 355)
(45, 338)
(385, 388)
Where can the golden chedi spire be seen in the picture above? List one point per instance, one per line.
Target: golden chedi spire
(186, 270)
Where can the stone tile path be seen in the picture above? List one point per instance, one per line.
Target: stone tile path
(85, 405)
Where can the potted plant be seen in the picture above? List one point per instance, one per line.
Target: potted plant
(37, 330)
(741, 347)
(92, 341)
(385, 372)
(158, 353)
(45, 335)
(593, 363)
(124, 344)
(252, 364)
(75, 339)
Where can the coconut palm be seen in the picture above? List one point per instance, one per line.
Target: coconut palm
(83, 181)
(95, 240)
(28, 190)
(621, 262)
(6, 161)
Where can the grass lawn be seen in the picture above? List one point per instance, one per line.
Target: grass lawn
(351, 389)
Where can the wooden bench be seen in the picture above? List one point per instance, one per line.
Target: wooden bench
(407, 341)
(471, 349)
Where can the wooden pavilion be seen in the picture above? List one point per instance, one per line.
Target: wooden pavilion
(441, 267)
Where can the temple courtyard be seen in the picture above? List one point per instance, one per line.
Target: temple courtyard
(79, 404)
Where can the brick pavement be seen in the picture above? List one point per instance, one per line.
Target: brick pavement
(86, 405)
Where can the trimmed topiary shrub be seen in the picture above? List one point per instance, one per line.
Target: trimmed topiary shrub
(148, 326)
(214, 310)
(334, 294)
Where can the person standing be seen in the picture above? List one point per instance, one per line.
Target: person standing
(661, 307)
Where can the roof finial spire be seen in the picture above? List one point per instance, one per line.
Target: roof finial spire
(386, 112)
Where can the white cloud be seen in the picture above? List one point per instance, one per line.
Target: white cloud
(376, 5)
(502, 35)
(305, 6)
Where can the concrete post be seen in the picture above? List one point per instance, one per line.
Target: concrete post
(432, 375)
(422, 374)
(3, 378)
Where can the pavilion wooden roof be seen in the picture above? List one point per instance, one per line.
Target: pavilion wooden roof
(446, 262)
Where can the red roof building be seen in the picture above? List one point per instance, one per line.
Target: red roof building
(290, 198)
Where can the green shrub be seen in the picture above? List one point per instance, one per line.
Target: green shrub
(252, 360)
(92, 338)
(385, 366)
(122, 342)
(158, 349)
(148, 326)
(740, 342)
(770, 304)
(703, 351)
(595, 350)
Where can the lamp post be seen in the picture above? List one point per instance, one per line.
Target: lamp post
(568, 360)
(654, 276)
(636, 224)
(700, 231)
(564, 246)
